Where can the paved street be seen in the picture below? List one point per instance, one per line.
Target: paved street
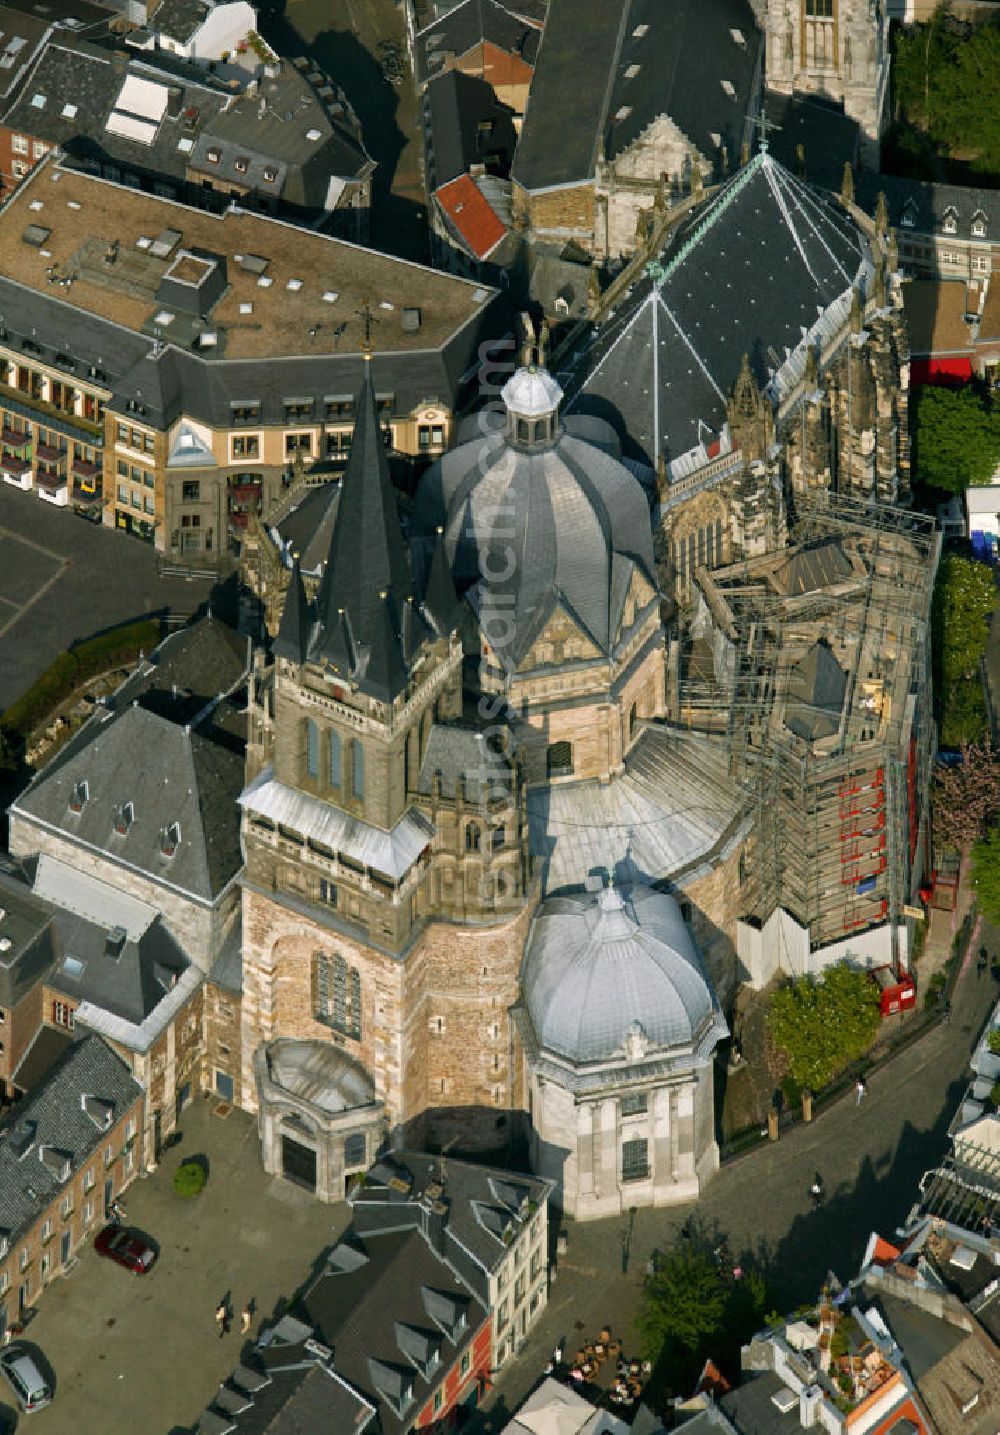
(141, 1353)
(870, 1157)
(63, 579)
(343, 36)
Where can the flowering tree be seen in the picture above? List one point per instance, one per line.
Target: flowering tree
(967, 797)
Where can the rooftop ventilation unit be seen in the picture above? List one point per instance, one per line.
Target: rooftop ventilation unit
(114, 942)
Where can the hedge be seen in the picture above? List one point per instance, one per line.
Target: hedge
(71, 669)
(189, 1179)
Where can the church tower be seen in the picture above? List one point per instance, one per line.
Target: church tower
(836, 48)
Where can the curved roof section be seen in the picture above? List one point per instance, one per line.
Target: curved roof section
(596, 968)
(576, 520)
(319, 1073)
(672, 810)
(753, 273)
(531, 391)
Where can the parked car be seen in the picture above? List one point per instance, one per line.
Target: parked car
(125, 1248)
(31, 1390)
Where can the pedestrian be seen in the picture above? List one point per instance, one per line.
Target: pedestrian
(816, 1190)
(221, 1318)
(981, 964)
(860, 1088)
(246, 1319)
(946, 1014)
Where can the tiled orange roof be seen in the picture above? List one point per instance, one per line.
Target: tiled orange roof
(471, 214)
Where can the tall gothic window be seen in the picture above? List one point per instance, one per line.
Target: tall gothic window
(312, 748)
(357, 770)
(336, 775)
(337, 994)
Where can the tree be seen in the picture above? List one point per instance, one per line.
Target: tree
(964, 599)
(822, 1026)
(684, 1302)
(946, 82)
(967, 797)
(956, 438)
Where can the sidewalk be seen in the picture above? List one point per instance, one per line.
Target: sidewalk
(871, 1158)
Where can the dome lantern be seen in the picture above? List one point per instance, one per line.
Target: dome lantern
(532, 397)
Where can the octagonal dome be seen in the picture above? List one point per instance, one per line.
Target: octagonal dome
(531, 527)
(617, 973)
(531, 392)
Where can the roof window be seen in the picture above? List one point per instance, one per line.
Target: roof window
(294, 284)
(270, 174)
(213, 155)
(979, 224)
(622, 113)
(631, 71)
(329, 296)
(78, 797)
(185, 145)
(729, 88)
(241, 164)
(246, 307)
(639, 31)
(314, 135)
(908, 218)
(950, 222)
(124, 817)
(102, 1113)
(170, 838)
(738, 37)
(39, 101)
(69, 112)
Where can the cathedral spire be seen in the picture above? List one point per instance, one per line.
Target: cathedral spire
(366, 581)
(292, 641)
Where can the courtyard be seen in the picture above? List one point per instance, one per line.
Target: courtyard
(142, 1353)
(63, 579)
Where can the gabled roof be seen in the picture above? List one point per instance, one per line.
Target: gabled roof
(752, 273)
(465, 124)
(467, 25)
(605, 72)
(471, 215)
(53, 1115)
(916, 204)
(815, 695)
(169, 774)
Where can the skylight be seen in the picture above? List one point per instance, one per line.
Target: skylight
(69, 112)
(73, 967)
(39, 101)
(313, 135)
(185, 145)
(330, 296)
(294, 285)
(729, 88)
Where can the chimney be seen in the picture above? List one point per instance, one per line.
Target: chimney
(810, 1399)
(175, 97)
(114, 942)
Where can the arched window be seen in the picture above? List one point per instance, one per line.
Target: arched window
(541, 430)
(498, 838)
(633, 718)
(334, 758)
(312, 748)
(357, 770)
(559, 759)
(355, 1152)
(472, 837)
(336, 994)
(523, 431)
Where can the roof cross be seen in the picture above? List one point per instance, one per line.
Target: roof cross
(368, 318)
(763, 124)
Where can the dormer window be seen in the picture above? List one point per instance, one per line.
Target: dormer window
(78, 797)
(270, 174)
(213, 156)
(908, 218)
(979, 225)
(124, 817)
(101, 1112)
(241, 164)
(949, 223)
(170, 839)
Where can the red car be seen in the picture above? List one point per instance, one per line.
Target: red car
(126, 1249)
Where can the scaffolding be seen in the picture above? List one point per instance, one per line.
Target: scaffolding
(839, 777)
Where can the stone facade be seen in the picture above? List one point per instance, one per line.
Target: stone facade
(835, 48)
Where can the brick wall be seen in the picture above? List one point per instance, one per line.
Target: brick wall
(76, 1211)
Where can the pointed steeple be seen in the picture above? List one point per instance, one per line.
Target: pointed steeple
(292, 641)
(367, 577)
(441, 603)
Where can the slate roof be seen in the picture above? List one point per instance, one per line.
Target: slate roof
(190, 668)
(814, 696)
(467, 1188)
(950, 1366)
(673, 808)
(179, 19)
(307, 528)
(587, 90)
(829, 138)
(757, 267)
(576, 518)
(299, 344)
(455, 105)
(53, 1116)
(358, 1313)
(461, 755)
(466, 25)
(33, 27)
(30, 941)
(169, 774)
(40, 1055)
(926, 205)
(365, 623)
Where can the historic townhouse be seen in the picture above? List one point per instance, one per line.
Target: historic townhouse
(170, 368)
